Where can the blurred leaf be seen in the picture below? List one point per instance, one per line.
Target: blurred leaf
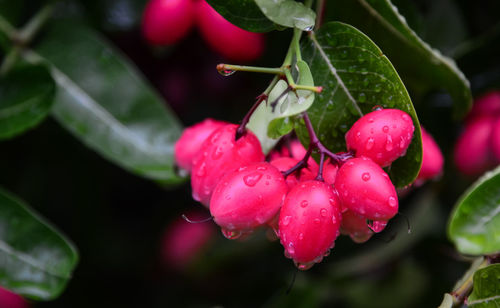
(244, 14)
(288, 13)
(271, 119)
(11, 11)
(106, 103)
(26, 95)
(37, 260)
(421, 66)
(356, 76)
(473, 225)
(447, 301)
(486, 289)
(117, 15)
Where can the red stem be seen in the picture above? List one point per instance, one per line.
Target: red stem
(241, 130)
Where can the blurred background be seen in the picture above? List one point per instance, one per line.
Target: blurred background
(118, 221)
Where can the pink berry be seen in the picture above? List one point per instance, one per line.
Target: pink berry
(365, 189)
(248, 198)
(382, 135)
(9, 299)
(486, 105)
(432, 159)
(330, 172)
(298, 152)
(227, 39)
(355, 226)
(309, 223)
(189, 144)
(221, 153)
(183, 242)
(495, 140)
(284, 164)
(165, 22)
(473, 147)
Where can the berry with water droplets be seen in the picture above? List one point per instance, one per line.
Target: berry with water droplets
(309, 222)
(227, 39)
(365, 189)
(382, 135)
(189, 144)
(472, 153)
(221, 153)
(330, 172)
(9, 299)
(355, 226)
(165, 22)
(248, 197)
(432, 159)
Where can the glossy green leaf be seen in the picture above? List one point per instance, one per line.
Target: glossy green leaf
(421, 66)
(104, 101)
(244, 14)
(26, 95)
(36, 260)
(356, 77)
(473, 225)
(288, 13)
(272, 120)
(486, 289)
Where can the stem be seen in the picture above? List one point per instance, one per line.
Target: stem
(241, 130)
(7, 28)
(9, 60)
(320, 12)
(29, 31)
(465, 287)
(294, 86)
(296, 40)
(319, 177)
(254, 69)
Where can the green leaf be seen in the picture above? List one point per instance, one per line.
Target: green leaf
(356, 76)
(473, 225)
(117, 15)
(271, 119)
(37, 260)
(288, 13)
(105, 102)
(421, 66)
(244, 14)
(486, 289)
(26, 95)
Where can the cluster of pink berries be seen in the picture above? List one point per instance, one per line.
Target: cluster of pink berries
(478, 147)
(165, 22)
(308, 207)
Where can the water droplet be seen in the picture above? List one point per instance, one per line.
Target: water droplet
(291, 249)
(226, 72)
(378, 87)
(217, 153)
(286, 220)
(317, 221)
(301, 236)
(377, 107)
(405, 117)
(252, 179)
(231, 234)
(371, 120)
(369, 143)
(402, 143)
(388, 144)
(304, 266)
(344, 54)
(201, 170)
(334, 220)
(392, 202)
(327, 253)
(365, 176)
(304, 203)
(323, 212)
(385, 129)
(357, 136)
(329, 106)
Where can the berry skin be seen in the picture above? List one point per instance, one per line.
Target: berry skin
(189, 144)
(486, 105)
(248, 198)
(472, 150)
(183, 242)
(298, 152)
(9, 299)
(309, 223)
(365, 189)
(220, 154)
(356, 227)
(432, 159)
(284, 164)
(495, 140)
(330, 172)
(165, 22)
(382, 135)
(225, 38)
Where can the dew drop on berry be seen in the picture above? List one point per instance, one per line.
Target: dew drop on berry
(385, 129)
(262, 168)
(286, 220)
(377, 107)
(358, 136)
(291, 249)
(371, 120)
(301, 236)
(317, 221)
(304, 266)
(402, 143)
(231, 235)
(304, 203)
(392, 202)
(388, 144)
(217, 153)
(323, 212)
(252, 179)
(369, 143)
(334, 220)
(405, 117)
(201, 171)
(365, 176)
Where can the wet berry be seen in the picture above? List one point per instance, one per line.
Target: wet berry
(189, 144)
(486, 105)
(365, 189)
(225, 38)
(309, 223)
(432, 159)
(221, 153)
(495, 140)
(472, 153)
(382, 135)
(355, 227)
(165, 22)
(248, 197)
